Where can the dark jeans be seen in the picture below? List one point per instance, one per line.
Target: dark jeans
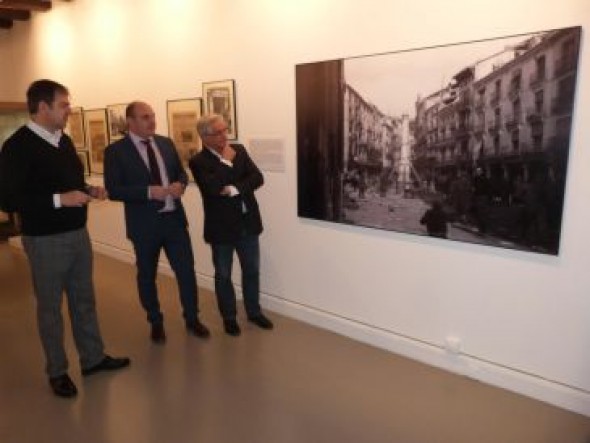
(173, 237)
(248, 251)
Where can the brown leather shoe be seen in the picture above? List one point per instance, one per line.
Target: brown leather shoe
(158, 335)
(63, 386)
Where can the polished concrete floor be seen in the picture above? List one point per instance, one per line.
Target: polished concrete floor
(295, 384)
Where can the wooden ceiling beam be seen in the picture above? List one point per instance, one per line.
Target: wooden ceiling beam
(28, 5)
(13, 106)
(15, 14)
(5, 23)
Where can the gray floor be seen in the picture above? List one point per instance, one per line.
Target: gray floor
(295, 384)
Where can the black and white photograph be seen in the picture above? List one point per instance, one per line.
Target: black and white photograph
(117, 121)
(466, 142)
(219, 97)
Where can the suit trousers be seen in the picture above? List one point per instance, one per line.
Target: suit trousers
(171, 235)
(63, 263)
(248, 250)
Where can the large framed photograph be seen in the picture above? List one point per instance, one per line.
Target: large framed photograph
(182, 126)
(219, 97)
(117, 121)
(468, 142)
(85, 160)
(95, 121)
(75, 128)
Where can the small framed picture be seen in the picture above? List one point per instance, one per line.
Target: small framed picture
(182, 126)
(75, 128)
(116, 121)
(220, 98)
(95, 121)
(84, 157)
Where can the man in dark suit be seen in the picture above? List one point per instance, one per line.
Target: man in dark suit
(43, 181)
(143, 171)
(227, 178)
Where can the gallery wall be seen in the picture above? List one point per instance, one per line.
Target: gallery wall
(513, 319)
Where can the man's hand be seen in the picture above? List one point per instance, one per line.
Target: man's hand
(74, 198)
(97, 192)
(158, 192)
(228, 153)
(176, 189)
(229, 191)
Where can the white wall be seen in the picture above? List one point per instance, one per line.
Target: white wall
(522, 318)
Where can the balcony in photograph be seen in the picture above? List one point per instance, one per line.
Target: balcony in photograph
(537, 80)
(562, 105)
(514, 92)
(534, 115)
(524, 147)
(462, 131)
(512, 121)
(494, 127)
(495, 98)
(464, 100)
(564, 65)
(479, 103)
(479, 128)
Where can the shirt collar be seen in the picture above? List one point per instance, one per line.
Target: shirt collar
(215, 153)
(52, 138)
(137, 140)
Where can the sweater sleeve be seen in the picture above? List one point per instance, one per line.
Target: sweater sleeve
(22, 197)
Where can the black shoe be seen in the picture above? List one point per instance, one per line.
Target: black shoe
(261, 321)
(231, 327)
(108, 363)
(63, 386)
(198, 329)
(158, 335)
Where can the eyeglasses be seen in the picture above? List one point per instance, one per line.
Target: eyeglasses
(219, 132)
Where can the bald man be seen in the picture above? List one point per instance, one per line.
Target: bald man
(143, 170)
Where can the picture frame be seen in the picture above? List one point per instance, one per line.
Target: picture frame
(117, 122)
(182, 115)
(219, 97)
(75, 128)
(84, 157)
(481, 157)
(95, 121)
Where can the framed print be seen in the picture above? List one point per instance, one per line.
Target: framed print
(481, 157)
(182, 126)
(85, 159)
(220, 98)
(75, 128)
(116, 121)
(95, 121)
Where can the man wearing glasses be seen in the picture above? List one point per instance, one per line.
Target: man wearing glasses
(227, 178)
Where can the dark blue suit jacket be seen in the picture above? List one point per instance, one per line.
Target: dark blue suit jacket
(127, 178)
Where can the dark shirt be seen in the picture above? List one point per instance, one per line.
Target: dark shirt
(33, 171)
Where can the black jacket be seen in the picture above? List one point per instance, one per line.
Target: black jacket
(225, 218)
